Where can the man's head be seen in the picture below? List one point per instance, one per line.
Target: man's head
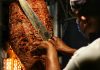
(88, 13)
(85, 7)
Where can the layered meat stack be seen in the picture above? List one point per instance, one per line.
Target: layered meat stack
(22, 33)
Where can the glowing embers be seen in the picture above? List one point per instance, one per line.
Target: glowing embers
(7, 64)
(12, 63)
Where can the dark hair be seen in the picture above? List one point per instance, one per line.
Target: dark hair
(89, 8)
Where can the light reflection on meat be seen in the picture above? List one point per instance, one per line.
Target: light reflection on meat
(23, 34)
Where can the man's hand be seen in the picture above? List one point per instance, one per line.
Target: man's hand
(52, 62)
(47, 45)
(58, 43)
(61, 46)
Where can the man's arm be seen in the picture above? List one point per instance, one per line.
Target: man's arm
(68, 51)
(61, 46)
(52, 62)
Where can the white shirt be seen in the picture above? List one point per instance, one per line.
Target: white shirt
(86, 58)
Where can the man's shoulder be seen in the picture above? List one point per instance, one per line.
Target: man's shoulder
(85, 57)
(98, 40)
(95, 43)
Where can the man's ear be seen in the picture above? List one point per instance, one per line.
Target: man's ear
(83, 18)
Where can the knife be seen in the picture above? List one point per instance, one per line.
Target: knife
(35, 21)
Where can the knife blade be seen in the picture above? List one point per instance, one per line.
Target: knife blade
(35, 21)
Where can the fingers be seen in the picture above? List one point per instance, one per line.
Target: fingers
(52, 41)
(46, 44)
(49, 44)
(54, 38)
(36, 43)
(43, 44)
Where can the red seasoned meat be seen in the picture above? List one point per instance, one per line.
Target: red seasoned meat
(22, 33)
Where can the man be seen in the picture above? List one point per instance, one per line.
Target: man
(88, 57)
